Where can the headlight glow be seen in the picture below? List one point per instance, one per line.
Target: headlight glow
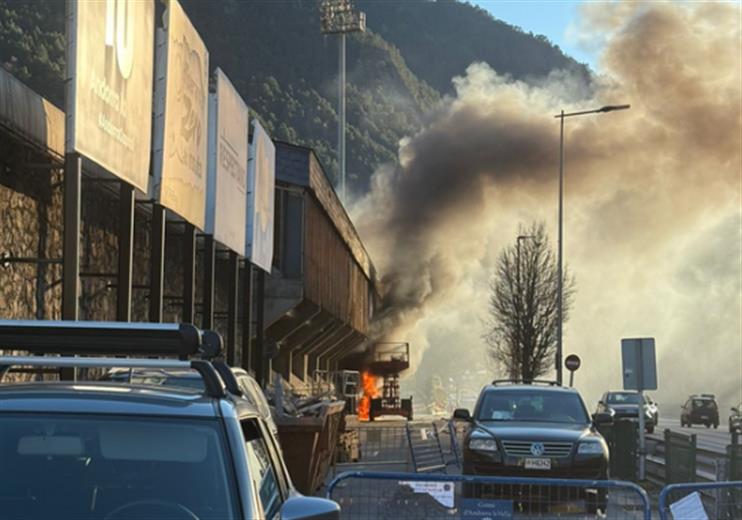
(590, 448)
(481, 444)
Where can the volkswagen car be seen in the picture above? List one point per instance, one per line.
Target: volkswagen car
(534, 430)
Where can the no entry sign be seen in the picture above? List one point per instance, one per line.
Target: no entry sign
(572, 362)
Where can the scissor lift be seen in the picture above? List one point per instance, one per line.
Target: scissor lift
(389, 360)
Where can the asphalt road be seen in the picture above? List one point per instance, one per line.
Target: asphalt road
(706, 438)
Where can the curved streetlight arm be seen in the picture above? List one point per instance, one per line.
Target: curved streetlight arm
(607, 108)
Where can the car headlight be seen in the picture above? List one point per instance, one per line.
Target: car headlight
(482, 443)
(590, 448)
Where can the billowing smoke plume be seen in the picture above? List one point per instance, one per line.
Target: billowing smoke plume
(652, 202)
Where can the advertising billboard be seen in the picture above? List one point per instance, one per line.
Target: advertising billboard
(226, 199)
(109, 73)
(260, 199)
(181, 117)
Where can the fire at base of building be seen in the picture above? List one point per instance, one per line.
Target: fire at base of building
(382, 363)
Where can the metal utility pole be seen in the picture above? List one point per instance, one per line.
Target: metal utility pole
(339, 17)
(560, 288)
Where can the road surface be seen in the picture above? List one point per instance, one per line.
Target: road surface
(706, 438)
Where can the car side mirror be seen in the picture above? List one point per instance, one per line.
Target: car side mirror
(734, 409)
(602, 418)
(309, 508)
(462, 414)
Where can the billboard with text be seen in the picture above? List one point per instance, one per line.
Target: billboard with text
(226, 199)
(260, 199)
(109, 70)
(181, 117)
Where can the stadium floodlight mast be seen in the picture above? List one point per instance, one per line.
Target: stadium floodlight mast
(339, 17)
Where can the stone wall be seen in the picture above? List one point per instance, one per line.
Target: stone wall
(31, 226)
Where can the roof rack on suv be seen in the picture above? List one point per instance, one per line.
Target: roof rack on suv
(116, 338)
(102, 337)
(497, 382)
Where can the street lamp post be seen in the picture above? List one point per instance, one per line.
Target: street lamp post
(339, 17)
(560, 281)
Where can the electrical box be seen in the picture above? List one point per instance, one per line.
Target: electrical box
(639, 364)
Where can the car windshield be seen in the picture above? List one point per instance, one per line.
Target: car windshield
(113, 468)
(623, 398)
(704, 403)
(532, 406)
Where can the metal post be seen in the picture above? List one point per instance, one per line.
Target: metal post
(189, 273)
(341, 115)
(126, 251)
(234, 271)
(571, 378)
(157, 262)
(260, 360)
(247, 361)
(71, 263)
(560, 302)
(208, 303)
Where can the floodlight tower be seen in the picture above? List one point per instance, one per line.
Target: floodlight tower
(339, 17)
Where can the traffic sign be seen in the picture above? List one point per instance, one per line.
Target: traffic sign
(572, 362)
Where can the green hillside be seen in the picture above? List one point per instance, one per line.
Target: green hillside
(287, 71)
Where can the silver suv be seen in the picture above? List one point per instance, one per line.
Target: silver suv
(108, 450)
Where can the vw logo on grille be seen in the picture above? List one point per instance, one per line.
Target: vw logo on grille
(537, 449)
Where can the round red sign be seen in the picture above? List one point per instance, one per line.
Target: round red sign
(572, 362)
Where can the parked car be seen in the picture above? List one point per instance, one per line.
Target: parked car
(700, 409)
(190, 379)
(534, 430)
(625, 405)
(117, 450)
(735, 419)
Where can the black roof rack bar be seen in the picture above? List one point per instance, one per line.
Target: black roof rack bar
(525, 382)
(225, 372)
(102, 338)
(213, 384)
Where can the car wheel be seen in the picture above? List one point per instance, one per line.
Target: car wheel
(597, 503)
(716, 425)
(650, 429)
(708, 425)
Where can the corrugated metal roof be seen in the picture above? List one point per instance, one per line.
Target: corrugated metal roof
(31, 117)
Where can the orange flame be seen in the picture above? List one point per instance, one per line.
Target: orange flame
(370, 391)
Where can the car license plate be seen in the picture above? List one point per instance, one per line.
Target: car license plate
(537, 464)
(704, 417)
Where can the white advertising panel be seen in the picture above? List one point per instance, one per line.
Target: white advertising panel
(226, 199)
(109, 70)
(260, 199)
(181, 117)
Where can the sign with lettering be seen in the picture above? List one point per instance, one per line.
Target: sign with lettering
(226, 199)
(109, 102)
(261, 198)
(181, 117)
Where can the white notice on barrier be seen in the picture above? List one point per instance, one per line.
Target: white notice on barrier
(689, 508)
(442, 492)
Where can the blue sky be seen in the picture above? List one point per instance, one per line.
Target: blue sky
(550, 18)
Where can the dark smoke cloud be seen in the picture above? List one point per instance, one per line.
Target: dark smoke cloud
(645, 191)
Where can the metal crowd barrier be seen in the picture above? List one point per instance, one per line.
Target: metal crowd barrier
(712, 500)
(381, 448)
(411, 496)
(426, 450)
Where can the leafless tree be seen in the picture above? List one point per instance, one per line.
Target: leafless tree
(521, 333)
